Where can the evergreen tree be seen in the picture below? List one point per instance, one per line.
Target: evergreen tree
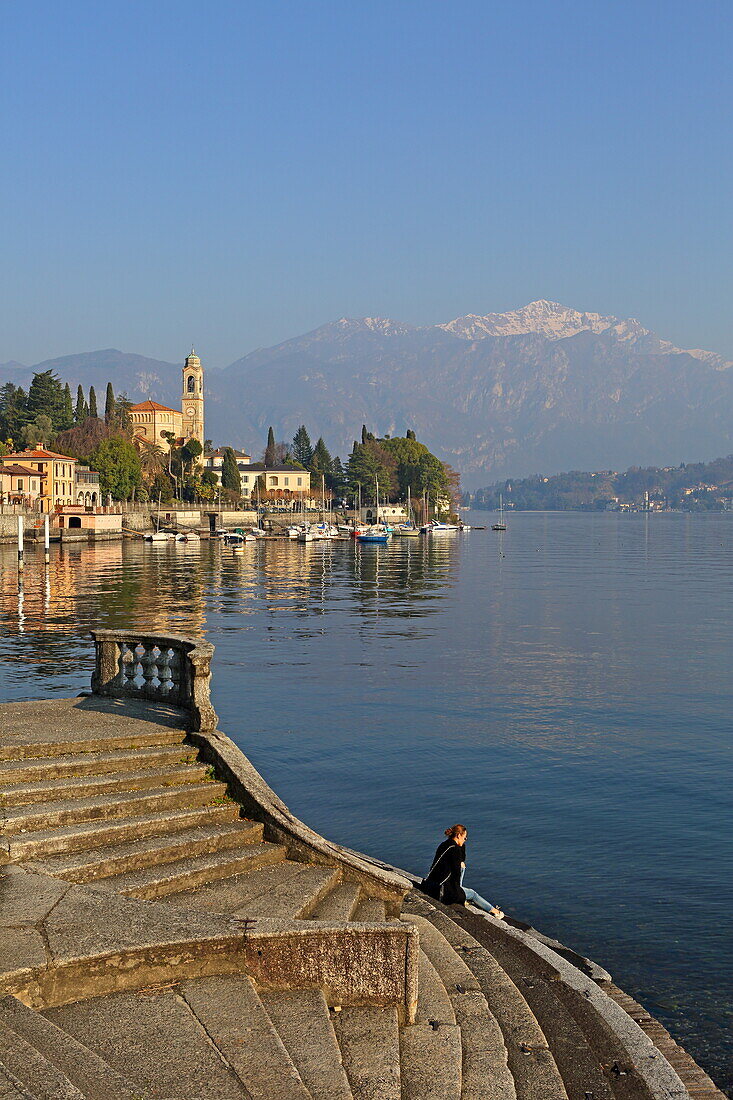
(410, 435)
(13, 411)
(302, 450)
(230, 478)
(46, 398)
(270, 456)
(364, 434)
(338, 477)
(109, 405)
(68, 409)
(79, 410)
(369, 461)
(86, 410)
(92, 402)
(123, 404)
(321, 463)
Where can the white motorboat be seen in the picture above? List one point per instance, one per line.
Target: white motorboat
(438, 528)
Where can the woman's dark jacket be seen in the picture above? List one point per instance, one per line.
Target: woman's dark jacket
(443, 881)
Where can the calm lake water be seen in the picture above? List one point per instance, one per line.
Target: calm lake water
(563, 689)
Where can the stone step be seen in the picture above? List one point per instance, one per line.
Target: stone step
(580, 1042)
(434, 1006)
(229, 895)
(295, 898)
(154, 1039)
(339, 904)
(95, 763)
(97, 834)
(370, 909)
(29, 1070)
(185, 874)
(430, 1062)
(147, 737)
(135, 855)
(532, 1065)
(484, 1055)
(303, 1022)
(86, 786)
(95, 1079)
(369, 1039)
(11, 1088)
(107, 807)
(430, 1049)
(231, 1013)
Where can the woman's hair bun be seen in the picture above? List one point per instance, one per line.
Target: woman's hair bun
(455, 830)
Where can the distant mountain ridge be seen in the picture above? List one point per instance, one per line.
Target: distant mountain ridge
(502, 394)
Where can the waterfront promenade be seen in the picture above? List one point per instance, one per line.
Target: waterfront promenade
(169, 929)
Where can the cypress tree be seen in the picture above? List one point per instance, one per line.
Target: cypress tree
(92, 402)
(109, 405)
(79, 410)
(68, 408)
(270, 457)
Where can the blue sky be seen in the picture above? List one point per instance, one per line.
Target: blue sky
(233, 174)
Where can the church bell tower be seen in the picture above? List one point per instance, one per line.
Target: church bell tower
(192, 402)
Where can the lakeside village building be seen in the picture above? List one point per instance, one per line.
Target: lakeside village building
(160, 424)
(42, 480)
(283, 482)
(156, 423)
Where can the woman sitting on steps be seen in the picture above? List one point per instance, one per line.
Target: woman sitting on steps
(444, 880)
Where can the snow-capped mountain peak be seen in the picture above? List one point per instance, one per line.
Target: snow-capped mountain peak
(548, 319)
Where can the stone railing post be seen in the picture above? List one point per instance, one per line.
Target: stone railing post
(166, 668)
(198, 669)
(106, 667)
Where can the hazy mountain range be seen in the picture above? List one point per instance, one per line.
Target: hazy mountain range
(542, 388)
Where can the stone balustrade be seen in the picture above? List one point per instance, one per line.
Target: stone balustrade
(167, 668)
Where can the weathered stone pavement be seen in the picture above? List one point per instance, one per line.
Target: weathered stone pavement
(157, 942)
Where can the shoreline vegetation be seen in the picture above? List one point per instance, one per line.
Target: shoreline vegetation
(689, 487)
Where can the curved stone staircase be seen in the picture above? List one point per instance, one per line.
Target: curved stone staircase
(121, 835)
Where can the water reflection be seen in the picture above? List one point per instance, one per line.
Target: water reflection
(563, 686)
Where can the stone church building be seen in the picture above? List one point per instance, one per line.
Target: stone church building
(153, 422)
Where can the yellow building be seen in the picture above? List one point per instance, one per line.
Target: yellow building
(284, 482)
(57, 475)
(153, 422)
(20, 484)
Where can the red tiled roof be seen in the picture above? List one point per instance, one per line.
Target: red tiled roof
(40, 452)
(153, 406)
(17, 470)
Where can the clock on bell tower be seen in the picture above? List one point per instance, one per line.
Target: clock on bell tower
(192, 401)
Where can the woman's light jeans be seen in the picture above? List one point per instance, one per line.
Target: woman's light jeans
(474, 898)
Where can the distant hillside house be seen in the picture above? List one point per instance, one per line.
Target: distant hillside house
(153, 422)
(215, 461)
(57, 475)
